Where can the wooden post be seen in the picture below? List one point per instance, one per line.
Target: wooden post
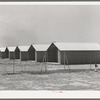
(47, 56)
(67, 63)
(45, 62)
(90, 64)
(14, 63)
(64, 59)
(13, 66)
(42, 63)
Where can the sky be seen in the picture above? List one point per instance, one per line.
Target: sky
(28, 24)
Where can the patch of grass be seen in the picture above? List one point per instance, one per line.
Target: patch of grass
(30, 75)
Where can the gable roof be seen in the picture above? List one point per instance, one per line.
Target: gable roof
(23, 48)
(77, 46)
(2, 49)
(41, 47)
(11, 49)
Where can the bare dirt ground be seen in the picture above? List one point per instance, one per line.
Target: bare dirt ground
(29, 75)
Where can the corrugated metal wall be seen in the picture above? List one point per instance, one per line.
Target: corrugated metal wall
(81, 57)
(36, 56)
(40, 56)
(11, 55)
(59, 56)
(3, 55)
(0, 54)
(24, 56)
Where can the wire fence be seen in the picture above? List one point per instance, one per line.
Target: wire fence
(17, 66)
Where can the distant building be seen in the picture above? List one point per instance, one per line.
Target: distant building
(14, 53)
(74, 53)
(26, 53)
(4, 53)
(40, 52)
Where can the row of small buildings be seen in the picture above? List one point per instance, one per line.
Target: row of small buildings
(63, 53)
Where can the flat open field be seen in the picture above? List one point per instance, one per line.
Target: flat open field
(29, 75)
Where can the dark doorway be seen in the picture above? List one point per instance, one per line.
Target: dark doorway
(31, 53)
(6, 53)
(52, 53)
(17, 53)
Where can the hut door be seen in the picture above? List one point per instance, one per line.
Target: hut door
(52, 54)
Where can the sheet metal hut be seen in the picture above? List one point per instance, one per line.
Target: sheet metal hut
(40, 52)
(74, 53)
(14, 52)
(27, 53)
(4, 53)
